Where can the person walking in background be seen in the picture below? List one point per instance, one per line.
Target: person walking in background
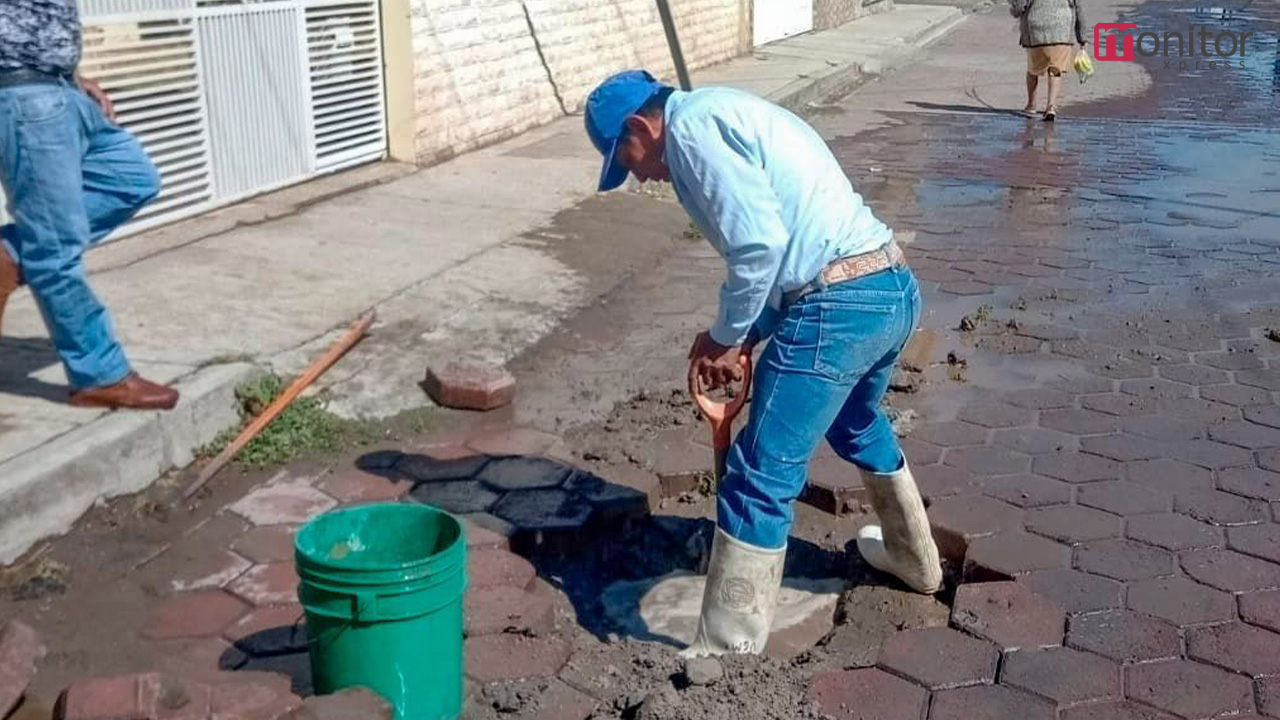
(1049, 30)
(71, 176)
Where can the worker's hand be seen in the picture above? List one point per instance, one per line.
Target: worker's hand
(100, 96)
(714, 364)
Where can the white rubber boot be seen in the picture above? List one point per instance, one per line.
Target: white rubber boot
(741, 596)
(902, 545)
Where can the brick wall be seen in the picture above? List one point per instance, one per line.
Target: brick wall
(479, 71)
(834, 13)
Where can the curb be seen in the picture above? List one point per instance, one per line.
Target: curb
(45, 490)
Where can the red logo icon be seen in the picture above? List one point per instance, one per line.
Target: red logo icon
(1117, 46)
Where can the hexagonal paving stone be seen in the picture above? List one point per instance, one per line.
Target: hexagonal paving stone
(493, 568)
(1123, 559)
(499, 609)
(1154, 388)
(940, 481)
(1076, 467)
(1268, 415)
(1234, 395)
(1114, 711)
(996, 415)
(506, 656)
(270, 584)
(1265, 379)
(431, 466)
(1123, 369)
(523, 473)
(950, 434)
(867, 694)
(1193, 374)
(271, 543)
(1008, 614)
(1073, 524)
(1269, 696)
(1079, 421)
(1251, 482)
(512, 441)
(1171, 476)
(1125, 636)
(1212, 455)
(1269, 460)
(1075, 591)
(270, 631)
(1198, 409)
(989, 702)
(1013, 553)
(195, 614)
(940, 658)
(1063, 675)
(1033, 441)
(1082, 384)
(1118, 404)
(1038, 399)
(1173, 532)
(1124, 498)
(456, 496)
(1221, 508)
(1229, 360)
(1163, 428)
(1261, 609)
(1261, 541)
(283, 503)
(1245, 434)
(1123, 448)
(987, 461)
(1189, 689)
(1028, 491)
(959, 520)
(1236, 646)
(545, 510)
(1231, 571)
(1181, 601)
(919, 452)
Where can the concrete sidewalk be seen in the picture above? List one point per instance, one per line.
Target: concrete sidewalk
(479, 257)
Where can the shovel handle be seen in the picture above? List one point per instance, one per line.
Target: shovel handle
(721, 414)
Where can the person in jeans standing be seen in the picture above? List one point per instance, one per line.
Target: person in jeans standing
(811, 267)
(71, 176)
(1047, 29)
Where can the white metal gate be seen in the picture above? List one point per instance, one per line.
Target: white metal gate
(236, 97)
(777, 19)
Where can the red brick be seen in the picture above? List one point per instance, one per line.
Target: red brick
(349, 704)
(1260, 541)
(1125, 636)
(988, 702)
(149, 696)
(940, 658)
(494, 658)
(1180, 601)
(1012, 553)
(20, 650)
(269, 584)
(1075, 591)
(1261, 609)
(267, 544)
(1076, 467)
(1231, 571)
(481, 538)
(1189, 689)
(356, 485)
(270, 631)
(489, 568)
(867, 694)
(253, 696)
(470, 386)
(1063, 675)
(197, 614)
(511, 442)
(1008, 614)
(499, 608)
(958, 521)
(1073, 523)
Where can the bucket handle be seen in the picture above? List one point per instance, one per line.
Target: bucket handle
(364, 607)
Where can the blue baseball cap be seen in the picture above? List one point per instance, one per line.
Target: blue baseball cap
(608, 107)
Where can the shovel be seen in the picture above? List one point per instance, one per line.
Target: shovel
(720, 415)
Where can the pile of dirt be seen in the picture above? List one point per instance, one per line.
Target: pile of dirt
(631, 425)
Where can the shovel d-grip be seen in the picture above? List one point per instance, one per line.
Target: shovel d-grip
(720, 415)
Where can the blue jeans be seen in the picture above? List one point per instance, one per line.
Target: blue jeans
(823, 374)
(71, 177)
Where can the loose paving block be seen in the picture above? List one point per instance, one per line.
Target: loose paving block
(1173, 532)
(21, 649)
(677, 460)
(1231, 571)
(1124, 636)
(940, 658)
(1122, 447)
(1236, 646)
(499, 608)
(269, 584)
(1075, 591)
(1114, 711)
(1261, 609)
(493, 568)
(987, 461)
(429, 466)
(523, 473)
(512, 442)
(195, 614)
(470, 386)
(996, 415)
(1251, 482)
(1189, 689)
(269, 543)
(286, 503)
(356, 485)
(349, 704)
(461, 497)
(958, 521)
(1063, 675)
(1033, 441)
(1009, 554)
(269, 631)
(495, 658)
(135, 697)
(834, 486)
(1221, 508)
(1076, 467)
(867, 694)
(1008, 614)
(1123, 559)
(1181, 601)
(1163, 428)
(1073, 523)
(1261, 541)
(950, 434)
(1028, 491)
(1124, 498)
(989, 702)
(1170, 476)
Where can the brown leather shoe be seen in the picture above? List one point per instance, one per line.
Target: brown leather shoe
(133, 393)
(10, 278)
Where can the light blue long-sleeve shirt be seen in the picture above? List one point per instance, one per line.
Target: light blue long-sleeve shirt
(769, 195)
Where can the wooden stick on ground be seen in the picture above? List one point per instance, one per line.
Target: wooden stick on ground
(313, 373)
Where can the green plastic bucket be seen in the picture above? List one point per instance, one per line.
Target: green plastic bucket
(382, 586)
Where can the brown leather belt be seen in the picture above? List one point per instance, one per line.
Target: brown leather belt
(850, 268)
